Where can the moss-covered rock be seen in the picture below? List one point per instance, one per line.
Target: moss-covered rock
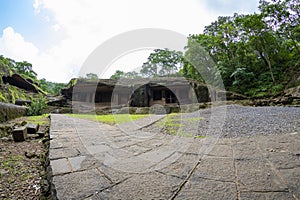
(10, 111)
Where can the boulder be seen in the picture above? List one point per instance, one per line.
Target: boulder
(20, 82)
(11, 111)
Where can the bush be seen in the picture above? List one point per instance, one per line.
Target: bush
(37, 106)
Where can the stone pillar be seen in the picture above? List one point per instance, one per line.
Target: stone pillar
(116, 99)
(87, 97)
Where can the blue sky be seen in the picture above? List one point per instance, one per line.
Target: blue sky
(58, 35)
(21, 15)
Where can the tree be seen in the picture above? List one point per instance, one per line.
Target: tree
(118, 74)
(262, 40)
(284, 17)
(92, 76)
(162, 62)
(149, 70)
(26, 68)
(242, 46)
(131, 75)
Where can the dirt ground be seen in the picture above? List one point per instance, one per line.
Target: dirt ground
(22, 164)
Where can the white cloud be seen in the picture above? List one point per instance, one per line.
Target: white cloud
(88, 23)
(13, 45)
(85, 24)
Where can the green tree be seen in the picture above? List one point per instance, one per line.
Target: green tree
(118, 74)
(131, 75)
(149, 70)
(26, 69)
(162, 62)
(284, 17)
(92, 76)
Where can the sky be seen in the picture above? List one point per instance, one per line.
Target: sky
(57, 36)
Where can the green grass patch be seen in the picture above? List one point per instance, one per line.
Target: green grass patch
(199, 136)
(111, 119)
(175, 123)
(40, 119)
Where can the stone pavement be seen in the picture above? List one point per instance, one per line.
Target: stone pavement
(91, 160)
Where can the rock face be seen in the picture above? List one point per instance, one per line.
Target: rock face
(290, 96)
(20, 82)
(11, 111)
(164, 91)
(293, 92)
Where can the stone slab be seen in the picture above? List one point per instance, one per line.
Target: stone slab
(207, 190)
(80, 185)
(256, 175)
(215, 168)
(60, 166)
(91, 160)
(143, 186)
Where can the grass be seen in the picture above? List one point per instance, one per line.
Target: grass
(111, 119)
(40, 119)
(174, 124)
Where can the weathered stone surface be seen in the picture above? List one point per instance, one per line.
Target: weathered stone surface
(208, 189)
(182, 167)
(91, 160)
(76, 162)
(80, 185)
(266, 195)
(60, 166)
(214, 168)
(20, 82)
(11, 111)
(292, 177)
(221, 151)
(143, 186)
(20, 134)
(260, 178)
(245, 150)
(63, 153)
(32, 128)
(21, 102)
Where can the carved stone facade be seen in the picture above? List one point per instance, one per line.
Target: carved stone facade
(137, 93)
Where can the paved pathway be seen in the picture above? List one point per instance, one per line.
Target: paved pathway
(90, 160)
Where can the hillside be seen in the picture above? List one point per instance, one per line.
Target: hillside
(19, 83)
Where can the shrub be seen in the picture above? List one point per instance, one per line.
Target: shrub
(37, 106)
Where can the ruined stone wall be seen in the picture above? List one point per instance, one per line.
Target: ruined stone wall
(11, 111)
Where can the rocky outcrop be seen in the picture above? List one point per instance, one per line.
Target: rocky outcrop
(290, 96)
(293, 92)
(11, 111)
(20, 82)
(144, 92)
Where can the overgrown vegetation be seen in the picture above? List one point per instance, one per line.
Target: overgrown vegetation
(257, 54)
(8, 67)
(40, 119)
(111, 119)
(37, 106)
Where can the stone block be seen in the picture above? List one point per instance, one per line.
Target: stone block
(32, 128)
(20, 134)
